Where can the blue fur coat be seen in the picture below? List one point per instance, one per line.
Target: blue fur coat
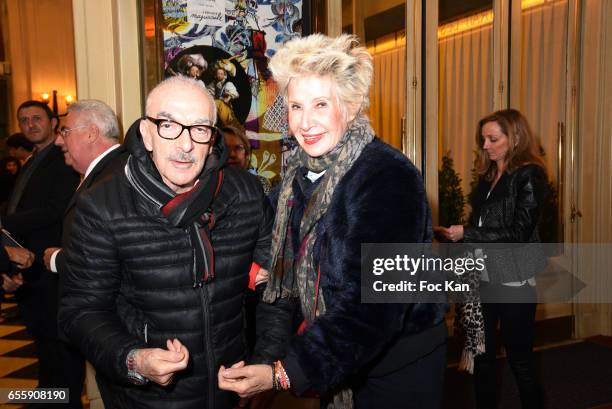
(380, 200)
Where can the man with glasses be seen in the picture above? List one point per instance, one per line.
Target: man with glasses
(34, 218)
(89, 139)
(158, 260)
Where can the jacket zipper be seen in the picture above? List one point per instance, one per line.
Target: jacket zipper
(199, 286)
(197, 283)
(208, 350)
(201, 244)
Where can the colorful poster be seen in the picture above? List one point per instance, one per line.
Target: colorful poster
(206, 12)
(226, 44)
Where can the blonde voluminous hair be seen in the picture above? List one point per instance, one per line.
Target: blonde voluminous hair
(348, 65)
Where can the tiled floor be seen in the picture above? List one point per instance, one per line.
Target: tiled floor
(7, 328)
(19, 367)
(8, 345)
(18, 363)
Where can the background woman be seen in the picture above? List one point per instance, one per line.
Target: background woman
(238, 146)
(506, 208)
(342, 188)
(9, 167)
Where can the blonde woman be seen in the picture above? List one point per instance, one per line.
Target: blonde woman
(342, 188)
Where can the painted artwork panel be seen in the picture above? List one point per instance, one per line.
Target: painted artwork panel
(226, 44)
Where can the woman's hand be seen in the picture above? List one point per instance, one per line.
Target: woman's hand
(452, 233)
(263, 276)
(455, 232)
(246, 381)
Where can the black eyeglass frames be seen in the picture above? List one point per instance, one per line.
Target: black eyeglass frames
(168, 129)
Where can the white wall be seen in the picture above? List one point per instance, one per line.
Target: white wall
(107, 51)
(41, 50)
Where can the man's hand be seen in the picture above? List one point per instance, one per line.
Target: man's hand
(159, 365)
(47, 256)
(23, 258)
(11, 284)
(246, 381)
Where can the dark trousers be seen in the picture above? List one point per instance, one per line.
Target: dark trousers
(517, 325)
(60, 366)
(418, 385)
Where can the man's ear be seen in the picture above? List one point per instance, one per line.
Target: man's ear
(54, 123)
(94, 133)
(146, 135)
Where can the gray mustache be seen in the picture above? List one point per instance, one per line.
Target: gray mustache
(183, 157)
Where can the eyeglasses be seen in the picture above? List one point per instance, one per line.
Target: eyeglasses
(167, 129)
(64, 131)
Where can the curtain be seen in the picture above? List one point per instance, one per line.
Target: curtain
(388, 94)
(465, 95)
(542, 93)
(466, 84)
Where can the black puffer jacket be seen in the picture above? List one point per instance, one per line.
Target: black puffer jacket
(510, 214)
(129, 285)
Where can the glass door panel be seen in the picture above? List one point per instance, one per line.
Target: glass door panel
(542, 96)
(466, 94)
(381, 27)
(388, 92)
(542, 99)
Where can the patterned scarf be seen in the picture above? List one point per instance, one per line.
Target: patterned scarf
(300, 278)
(469, 319)
(469, 325)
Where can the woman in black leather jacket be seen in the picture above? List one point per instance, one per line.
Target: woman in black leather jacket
(506, 208)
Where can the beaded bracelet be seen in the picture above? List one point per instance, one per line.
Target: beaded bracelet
(280, 377)
(274, 381)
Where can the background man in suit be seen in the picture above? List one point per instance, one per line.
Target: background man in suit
(89, 138)
(34, 217)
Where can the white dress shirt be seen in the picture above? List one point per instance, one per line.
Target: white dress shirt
(87, 172)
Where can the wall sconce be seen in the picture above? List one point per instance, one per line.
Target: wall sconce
(68, 99)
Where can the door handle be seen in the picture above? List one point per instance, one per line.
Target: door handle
(575, 213)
